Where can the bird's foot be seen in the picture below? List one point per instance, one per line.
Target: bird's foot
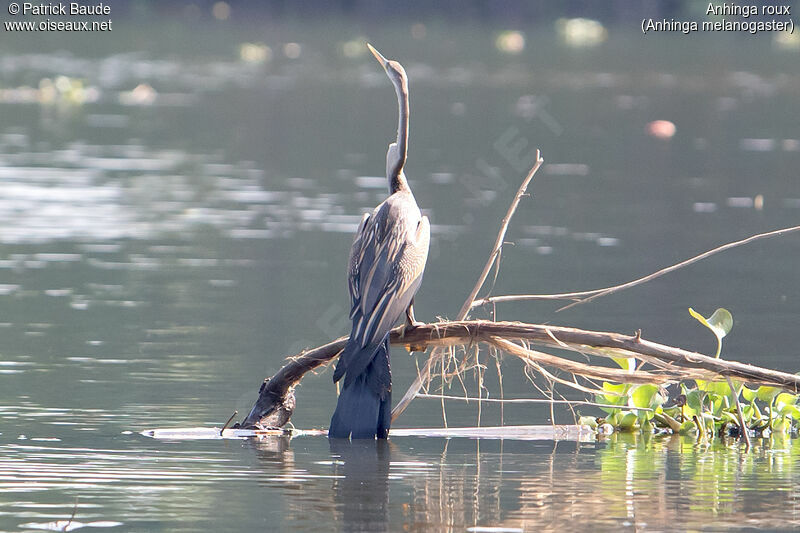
(411, 322)
(408, 326)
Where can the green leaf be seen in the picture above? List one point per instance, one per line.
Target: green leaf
(617, 395)
(620, 389)
(694, 399)
(628, 422)
(786, 398)
(748, 394)
(792, 411)
(625, 363)
(644, 396)
(720, 388)
(688, 428)
(748, 412)
(767, 394)
(720, 323)
(717, 403)
(781, 425)
(588, 421)
(647, 396)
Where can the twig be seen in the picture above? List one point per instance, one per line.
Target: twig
(228, 422)
(71, 518)
(528, 400)
(424, 375)
(498, 243)
(582, 297)
(551, 379)
(735, 395)
(591, 371)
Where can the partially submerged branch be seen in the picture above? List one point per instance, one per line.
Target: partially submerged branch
(670, 363)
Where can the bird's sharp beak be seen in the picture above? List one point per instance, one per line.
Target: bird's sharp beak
(382, 60)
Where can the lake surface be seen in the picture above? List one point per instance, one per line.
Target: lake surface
(176, 212)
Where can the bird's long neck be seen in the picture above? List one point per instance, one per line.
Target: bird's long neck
(396, 177)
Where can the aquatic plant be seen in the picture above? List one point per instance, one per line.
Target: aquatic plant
(706, 408)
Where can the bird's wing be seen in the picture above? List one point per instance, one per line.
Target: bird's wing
(386, 267)
(409, 265)
(390, 265)
(353, 275)
(371, 272)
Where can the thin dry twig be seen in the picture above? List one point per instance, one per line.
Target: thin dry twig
(71, 518)
(617, 375)
(498, 243)
(464, 311)
(221, 431)
(583, 297)
(739, 413)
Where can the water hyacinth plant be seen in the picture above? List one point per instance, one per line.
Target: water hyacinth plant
(703, 408)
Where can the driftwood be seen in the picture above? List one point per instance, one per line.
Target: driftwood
(276, 397)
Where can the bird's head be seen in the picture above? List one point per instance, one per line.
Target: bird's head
(393, 69)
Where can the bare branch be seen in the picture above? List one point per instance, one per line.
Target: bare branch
(672, 364)
(425, 374)
(498, 243)
(582, 297)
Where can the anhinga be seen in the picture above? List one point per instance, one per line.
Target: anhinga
(386, 263)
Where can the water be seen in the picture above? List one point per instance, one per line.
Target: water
(175, 221)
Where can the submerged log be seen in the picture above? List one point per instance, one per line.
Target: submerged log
(276, 397)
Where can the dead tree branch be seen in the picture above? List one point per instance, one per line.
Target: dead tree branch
(670, 363)
(583, 297)
(425, 373)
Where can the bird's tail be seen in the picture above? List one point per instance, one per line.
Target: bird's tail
(364, 409)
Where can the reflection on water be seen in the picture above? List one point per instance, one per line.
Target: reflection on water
(408, 484)
(361, 492)
(108, 193)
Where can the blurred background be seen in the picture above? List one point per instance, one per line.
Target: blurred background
(178, 195)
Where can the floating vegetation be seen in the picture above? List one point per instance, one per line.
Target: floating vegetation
(707, 409)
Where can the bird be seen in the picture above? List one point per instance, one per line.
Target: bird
(387, 260)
